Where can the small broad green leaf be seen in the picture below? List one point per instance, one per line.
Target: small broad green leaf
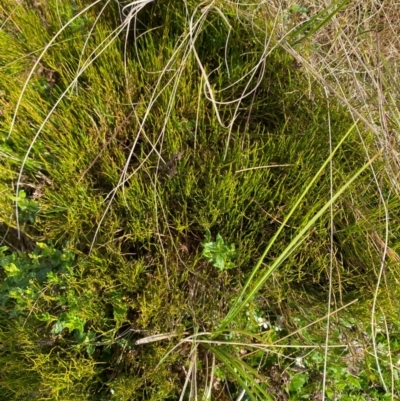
(120, 312)
(353, 382)
(45, 317)
(329, 393)
(53, 278)
(75, 323)
(90, 349)
(220, 373)
(218, 253)
(219, 262)
(58, 327)
(80, 336)
(12, 270)
(298, 381)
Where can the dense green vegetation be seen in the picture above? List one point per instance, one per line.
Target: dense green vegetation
(168, 231)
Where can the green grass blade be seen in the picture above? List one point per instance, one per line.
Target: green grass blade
(309, 24)
(240, 303)
(294, 208)
(243, 373)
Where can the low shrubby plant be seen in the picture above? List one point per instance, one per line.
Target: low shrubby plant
(131, 131)
(218, 253)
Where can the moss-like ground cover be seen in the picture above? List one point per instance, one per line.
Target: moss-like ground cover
(145, 171)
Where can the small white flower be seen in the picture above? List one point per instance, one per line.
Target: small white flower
(299, 362)
(263, 323)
